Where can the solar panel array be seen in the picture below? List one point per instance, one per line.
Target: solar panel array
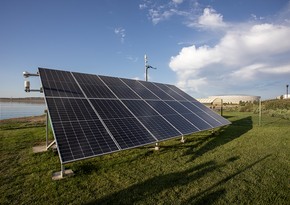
(93, 115)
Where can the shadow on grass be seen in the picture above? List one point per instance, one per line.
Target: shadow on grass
(204, 195)
(151, 188)
(209, 198)
(155, 185)
(223, 136)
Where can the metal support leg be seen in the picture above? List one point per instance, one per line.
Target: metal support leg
(62, 171)
(46, 129)
(182, 139)
(157, 146)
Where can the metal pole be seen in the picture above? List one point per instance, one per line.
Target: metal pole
(46, 129)
(146, 67)
(182, 139)
(260, 111)
(62, 171)
(222, 104)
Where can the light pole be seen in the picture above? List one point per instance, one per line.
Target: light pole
(147, 67)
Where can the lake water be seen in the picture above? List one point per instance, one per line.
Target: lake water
(15, 109)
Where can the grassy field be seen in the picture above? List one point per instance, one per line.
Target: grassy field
(239, 164)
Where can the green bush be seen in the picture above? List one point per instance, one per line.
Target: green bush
(277, 104)
(281, 113)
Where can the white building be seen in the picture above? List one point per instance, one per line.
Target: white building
(284, 96)
(232, 99)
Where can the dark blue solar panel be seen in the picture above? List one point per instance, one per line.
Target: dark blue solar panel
(169, 91)
(92, 86)
(176, 119)
(140, 108)
(59, 84)
(180, 92)
(142, 91)
(157, 91)
(203, 115)
(69, 109)
(161, 107)
(82, 139)
(94, 115)
(186, 113)
(160, 128)
(128, 132)
(125, 128)
(108, 109)
(182, 124)
(120, 89)
(177, 106)
(211, 113)
(200, 123)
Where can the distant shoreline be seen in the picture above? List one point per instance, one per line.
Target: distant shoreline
(37, 100)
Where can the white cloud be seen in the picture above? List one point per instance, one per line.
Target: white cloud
(121, 32)
(131, 58)
(211, 19)
(244, 53)
(177, 1)
(142, 6)
(162, 12)
(192, 17)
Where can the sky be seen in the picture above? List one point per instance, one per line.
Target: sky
(205, 47)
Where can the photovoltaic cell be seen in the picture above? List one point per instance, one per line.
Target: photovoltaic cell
(210, 113)
(140, 108)
(59, 84)
(203, 115)
(120, 89)
(181, 93)
(82, 139)
(92, 86)
(142, 91)
(160, 128)
(129, 132)
(197, 121)
(109, 109)
(169, 91)
(176, 119)
(70, 109)
(155, 123)
(157, 91)
(93, 115)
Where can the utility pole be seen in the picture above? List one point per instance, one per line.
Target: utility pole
(147, 67)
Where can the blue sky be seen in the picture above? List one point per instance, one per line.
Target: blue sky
(205, 47)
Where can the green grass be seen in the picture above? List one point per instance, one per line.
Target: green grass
(242, 164)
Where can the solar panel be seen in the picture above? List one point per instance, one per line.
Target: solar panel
(120, 89)
(93, 115)
(92, 86)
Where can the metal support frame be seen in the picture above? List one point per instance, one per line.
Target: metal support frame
(46, 128)
(47, 132)
(156, 146)
(222, 106)
(260, 111)
(182, 139)
(62, 170)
